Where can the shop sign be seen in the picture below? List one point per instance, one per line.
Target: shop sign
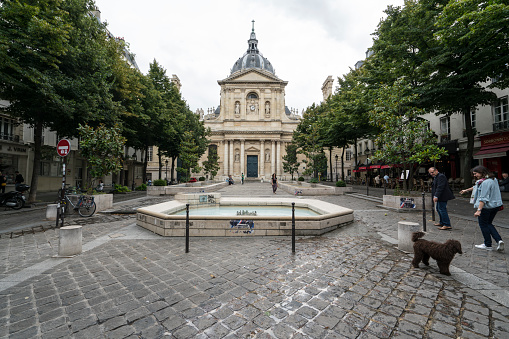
(495, 139)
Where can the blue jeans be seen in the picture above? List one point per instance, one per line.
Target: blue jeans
(486, 225)
(442, 213)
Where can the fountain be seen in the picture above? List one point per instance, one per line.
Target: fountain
(211, 215)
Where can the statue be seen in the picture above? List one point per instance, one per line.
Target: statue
(267, 156)
(237, 156)
(237, 108)
(267, 108)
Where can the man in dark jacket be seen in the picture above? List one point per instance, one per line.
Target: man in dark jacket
(504, 184)
(441, 194)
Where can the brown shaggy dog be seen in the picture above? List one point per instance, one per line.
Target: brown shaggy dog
(442, 253)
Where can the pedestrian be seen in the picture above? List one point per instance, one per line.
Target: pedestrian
(3, 182)
(441, 193)
(100, 186)
(377, 181)
(230, 180)
(488, 201)
(149, 182)
(386, 178)
(18, 179)
(504, 184)
(274, 183)
(242, 179)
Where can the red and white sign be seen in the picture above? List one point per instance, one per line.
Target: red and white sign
(63, 147)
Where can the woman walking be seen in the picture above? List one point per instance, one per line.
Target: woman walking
(487, 200)
(274, 183)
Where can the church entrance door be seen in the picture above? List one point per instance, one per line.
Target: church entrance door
(252, 166)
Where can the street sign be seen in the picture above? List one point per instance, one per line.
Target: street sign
(63, 147)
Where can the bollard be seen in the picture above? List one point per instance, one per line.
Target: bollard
(69, 242)
(187, 228)
(405, 230)
(385, 188)
(423, 212)
(51, 212)
(293, 227)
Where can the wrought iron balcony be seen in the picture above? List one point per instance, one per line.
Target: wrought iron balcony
(500, 125)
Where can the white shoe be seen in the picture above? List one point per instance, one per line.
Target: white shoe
(484, 247)
(500, 246)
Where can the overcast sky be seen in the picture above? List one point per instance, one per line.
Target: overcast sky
(200, 40)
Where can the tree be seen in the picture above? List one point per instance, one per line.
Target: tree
(189, 155)
(103, 148)
(290, 161)
(211, 165)
(55, 68)
(404, 137)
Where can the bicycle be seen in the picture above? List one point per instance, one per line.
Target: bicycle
(85, 206)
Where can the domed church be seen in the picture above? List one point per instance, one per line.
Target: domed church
(252, 125)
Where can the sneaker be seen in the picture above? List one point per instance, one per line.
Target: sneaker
(500, 246)
(484, 247)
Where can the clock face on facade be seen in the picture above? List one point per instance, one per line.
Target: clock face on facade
(252, 107)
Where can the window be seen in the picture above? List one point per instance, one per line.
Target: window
(501, 110)
(150, 151)
(348, 155)
(6, 128)
(252, 96)
(445, 129)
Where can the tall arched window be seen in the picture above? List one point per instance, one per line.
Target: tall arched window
(252, 96)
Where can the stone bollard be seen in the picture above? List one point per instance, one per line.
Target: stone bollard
(51, 212)
(69, 241)
(405, 230)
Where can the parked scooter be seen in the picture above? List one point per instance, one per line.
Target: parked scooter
(14, 199)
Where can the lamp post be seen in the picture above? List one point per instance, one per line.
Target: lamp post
(336, 167)
(166, 162)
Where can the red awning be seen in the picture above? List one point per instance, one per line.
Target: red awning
(355, 171)
(375, 166)
(386, 166)
(493, 151)
(362, 168)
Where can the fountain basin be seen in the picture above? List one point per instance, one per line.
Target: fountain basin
(160, 220)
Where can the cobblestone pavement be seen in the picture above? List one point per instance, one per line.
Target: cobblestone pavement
(349, 283)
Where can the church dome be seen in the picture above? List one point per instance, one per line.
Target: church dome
(252, 58)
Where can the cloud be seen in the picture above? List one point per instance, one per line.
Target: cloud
(200, 40)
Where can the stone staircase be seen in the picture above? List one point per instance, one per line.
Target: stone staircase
(365, 197)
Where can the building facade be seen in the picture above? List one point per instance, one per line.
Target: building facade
(252, 125)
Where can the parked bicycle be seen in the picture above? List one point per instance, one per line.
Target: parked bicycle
(85, 205)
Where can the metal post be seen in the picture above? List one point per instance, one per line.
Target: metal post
(61, 213)
(293, 227)
(336, 167)
(423, 212)
(367, 184)
(385, 186)
(432, 208)
(187, 228)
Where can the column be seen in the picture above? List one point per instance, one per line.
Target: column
(273, 158)
(225, 161)
(262, 159)
(278, 169)
(242, 160)
(232, 158)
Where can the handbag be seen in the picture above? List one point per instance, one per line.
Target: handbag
(4, 184)
(501, 208)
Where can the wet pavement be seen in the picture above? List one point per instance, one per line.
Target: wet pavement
(349, 283)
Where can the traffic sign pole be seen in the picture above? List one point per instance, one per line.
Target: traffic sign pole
(63, 149)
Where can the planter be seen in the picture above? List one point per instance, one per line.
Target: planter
(103, 201)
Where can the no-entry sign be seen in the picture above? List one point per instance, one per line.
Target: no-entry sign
(63, 147)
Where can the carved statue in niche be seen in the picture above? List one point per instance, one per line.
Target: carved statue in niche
(267, 155)
(237, 156)
(267, 108)
(237, 108)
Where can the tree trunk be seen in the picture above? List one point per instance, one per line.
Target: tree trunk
(160, 163)
(172, 169)
(343, 164)
(37, 162)
(467, 159)
(145, 165)
(330, 163)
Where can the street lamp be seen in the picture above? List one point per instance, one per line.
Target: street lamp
(336, 167)
(166, 171)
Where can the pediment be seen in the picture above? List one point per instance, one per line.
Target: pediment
(252, 75)
(252, 149)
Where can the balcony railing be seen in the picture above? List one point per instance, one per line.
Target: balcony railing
(500, 125)
(445, 137)
(10, 137)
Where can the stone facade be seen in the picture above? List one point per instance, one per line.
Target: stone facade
(252, 125)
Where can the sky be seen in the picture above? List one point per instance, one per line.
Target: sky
(200, 40)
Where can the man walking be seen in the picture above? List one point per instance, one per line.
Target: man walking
(441, 193)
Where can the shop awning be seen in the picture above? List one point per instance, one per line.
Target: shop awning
(494, 151)
(362, 168)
